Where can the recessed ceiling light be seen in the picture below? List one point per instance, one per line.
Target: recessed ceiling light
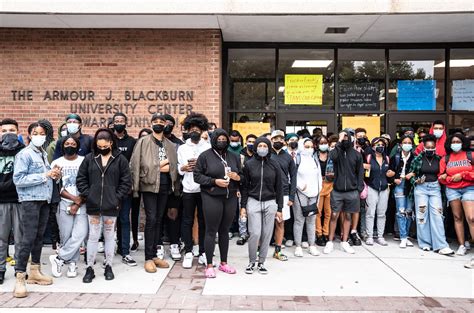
(457, 63)
(336, 30)
(311, 63)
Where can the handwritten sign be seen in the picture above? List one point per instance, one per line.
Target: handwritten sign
(359, 97)
(303, 89)
(463, 94)
(257, 129)
(370, 123)
(416, 95)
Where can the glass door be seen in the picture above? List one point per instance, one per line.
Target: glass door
(293, 122)
(398, 121)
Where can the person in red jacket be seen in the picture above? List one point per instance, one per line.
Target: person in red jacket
(457, 173)
(438, 129)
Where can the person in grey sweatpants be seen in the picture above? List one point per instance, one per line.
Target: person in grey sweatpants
(8, 219)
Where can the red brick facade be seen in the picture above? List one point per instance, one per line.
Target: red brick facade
(48, 73)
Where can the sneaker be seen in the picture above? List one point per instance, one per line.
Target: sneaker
(280, 256)
(381, 241)
(403, 243)
(446, 251)
(250, 268)
(305, 245)
(231, 235)
(461, 250)
(369, 241)
(56, 265)
(320, 241)
(202, 260)
(104, 263)
(100, 248)
(347, 248)
(188, 260)
(89, 276)
(242, 240)
(72, 270)
(355, 239)
(469, 264)
(175, 254)
(314, 251)
(140, 237)
(289, 243)
(409, 243)
(299, 252)
(196, 250)
(109, 275)
(261, 269)
(134, 247)
(467, 244)
(129, 260)
(329, 247)
(160, 252)
(426, 248)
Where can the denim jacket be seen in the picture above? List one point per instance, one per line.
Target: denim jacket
(29, 177)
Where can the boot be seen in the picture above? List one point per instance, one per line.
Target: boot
(150, 266)
(20, 287)
(161, 263)
(36, 277)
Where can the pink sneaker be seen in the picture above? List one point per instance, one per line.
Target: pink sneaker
(226, 268)
(210, 273)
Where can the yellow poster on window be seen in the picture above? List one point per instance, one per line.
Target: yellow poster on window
(303, 89)
(370, 123)
(257, 129)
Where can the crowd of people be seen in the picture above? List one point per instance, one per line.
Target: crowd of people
(280, 189)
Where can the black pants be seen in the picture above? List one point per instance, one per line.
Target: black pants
(191, 201)
(135, 219)
(218, 214)
(174, 226)
(155, 207)
(33, 217)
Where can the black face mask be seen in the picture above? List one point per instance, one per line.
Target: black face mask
(158, 128)
(346, 144)
(70, 150)
(221, 145)
(380, 149)
(278, 145)
(168, 130)
(293, 145)
(104, 151)
(9, 141)
(430, 153)
(120, 128)
(195, 136)
(186, 136)
(361, 141)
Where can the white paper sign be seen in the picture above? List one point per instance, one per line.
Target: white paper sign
(463, 94)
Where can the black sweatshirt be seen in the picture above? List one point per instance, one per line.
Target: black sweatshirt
(126, 145)
(289, 171)
(8, 150)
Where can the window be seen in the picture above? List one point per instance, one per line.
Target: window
(361, 79)
(461, 74)
(416, 80)
(306, 78)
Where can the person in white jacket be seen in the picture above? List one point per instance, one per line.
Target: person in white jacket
(195, 124)
(309, 184)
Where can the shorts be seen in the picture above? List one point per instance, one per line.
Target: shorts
(463, 194)
(346, 201)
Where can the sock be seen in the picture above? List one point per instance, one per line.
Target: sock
(353, 231)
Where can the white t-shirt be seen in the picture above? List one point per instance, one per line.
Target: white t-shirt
(69, 171)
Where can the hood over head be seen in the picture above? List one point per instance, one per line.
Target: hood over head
(267, 142)
(216, 134)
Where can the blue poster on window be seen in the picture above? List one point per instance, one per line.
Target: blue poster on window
(416, 95)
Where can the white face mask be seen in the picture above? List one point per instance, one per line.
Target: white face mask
(63, 133)
(72, 128)
(323, 147)
(38, 140)
(308, 151)
(438, 133)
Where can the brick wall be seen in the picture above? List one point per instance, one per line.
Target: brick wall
(47, 73)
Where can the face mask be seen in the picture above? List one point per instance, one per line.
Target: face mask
(250, 146)
(168, 129)
(104, 151)
(195, 136)
(70, 150)
(361, 141)
(158, 128)
(278, 145)
(186, 136)
(234, 144)
(221, 145)
(438, 133)
(293, 145)
(38, 140)
(430, 152)
(262, 152)
(308, 151)
(407, 147)
(10, 141)
(119, 128)
(72, 128)
(63, 133)
(379, 149)
(323, 148)
(346, 144)
(456, 147)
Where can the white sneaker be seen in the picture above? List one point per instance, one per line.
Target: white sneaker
(289, 243)
(469, 264)
(196, 250)
(446, 251)
(299, 252)
(369, 241)
(202, 259)
(140, 237)
(467, 244)
(188, 260)
(56, 265)
(381, 241)
(71, 270)
(409, 243)
(461, 250)
(347, 247)
(160, 252)
(100, 248)
(314, 251)
(403, 243)
(175, 254)
(329, 247)
(305, 245)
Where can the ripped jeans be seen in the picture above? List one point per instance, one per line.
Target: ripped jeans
(404, 209)
(429, 216)
(108, 223)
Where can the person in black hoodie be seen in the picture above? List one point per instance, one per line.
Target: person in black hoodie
(219, 173)
(262, 201)
(104, 180)
(9, 204)
(348, 184)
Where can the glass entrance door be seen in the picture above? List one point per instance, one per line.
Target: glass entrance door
(397, 121)
(293, 122)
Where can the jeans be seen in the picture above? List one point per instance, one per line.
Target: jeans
(300, 219)
(9, 218)
(155, 208)
(33, 217)
(261, 217)
(108, 229)
(404, 210)
(429, 216)
(191, 202)
(73, 230)
(124, 217)
(377, 202)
